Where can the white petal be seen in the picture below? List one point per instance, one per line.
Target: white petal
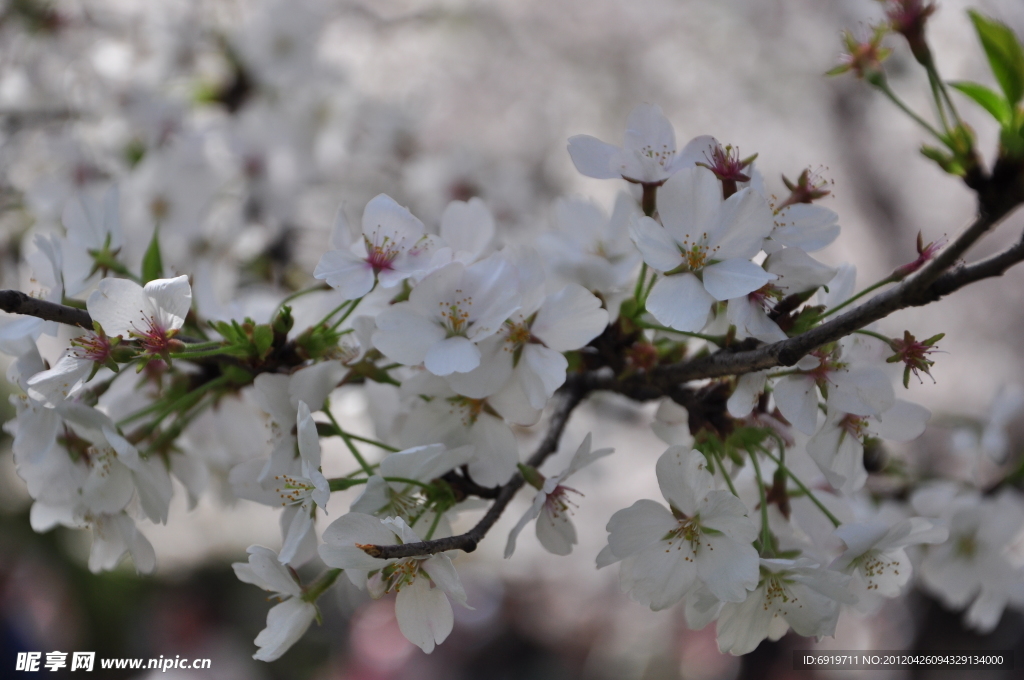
(570, 318)
(298, 523)
(684, 478)
(592, 157)
(797, 271)
(655, 244)
(734, 278)
(467, 226)
(532, 513)
(340, 539)
(442, 573)
(265, 571)
(689, 203)
(556, 532)
(681, 302)
(346, 271)
(494, 370)
(173, 299)
(743, 222)
(405, 336)
(120, 306)
(728, 568)
(541, 371)
(634, 528)
(424, 614)
(452, 355)
(309, 440)
(797, 399)
(901, 423)
(286, 623)
(748, 389)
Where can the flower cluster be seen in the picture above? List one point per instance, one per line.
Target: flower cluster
(779, 510)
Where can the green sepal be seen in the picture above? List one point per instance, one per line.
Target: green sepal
(947, 161)
(532, 476)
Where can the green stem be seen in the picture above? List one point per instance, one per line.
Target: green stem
(803, 487)
(716, 339)
(342, 483)
(887, 341)
(374, 442)
(219, 351)
(348, 441)
(766, 534)
(887, 91)
(181, 403)
(850, 300)
(347, 313)
(298, 294)
(433, 525)
(640, 283)
(728, 479)
(647, 293)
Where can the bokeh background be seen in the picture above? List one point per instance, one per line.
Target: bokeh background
(254, 119)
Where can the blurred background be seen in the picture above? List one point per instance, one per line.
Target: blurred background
(244, 124)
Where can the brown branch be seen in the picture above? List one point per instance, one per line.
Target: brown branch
(16, 302)
(928, 285)
(572, 393)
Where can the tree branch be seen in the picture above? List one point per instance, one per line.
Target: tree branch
(16, 302)
(928, 285)
(572, 393)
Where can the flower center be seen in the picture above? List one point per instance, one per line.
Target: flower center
(293, 490)
(557, 503)
(381, 255)
(92, 347)
(154, 338)
(873, 565)
(661, 156)
(467, 409)
(455, 314)
(852, 425)
(966, 546)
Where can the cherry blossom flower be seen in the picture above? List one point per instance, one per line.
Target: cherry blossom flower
(705, 538)
(296, 493)
(838, 447)
(975, 568)
(589, 248)
(286, 621)
(551, 506)
(397, 498)
(703, 250)
(424, 584)
(647, 155)
(447, 313)
(153, 314)
(876, 554)
(393, 247)
(524, 363)
(791, 593)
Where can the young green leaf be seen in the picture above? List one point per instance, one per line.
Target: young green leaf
(987, 99)
(152, 263)
(1005, 55)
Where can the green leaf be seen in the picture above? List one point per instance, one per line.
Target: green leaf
(987, 99)
(152, 263)
(263, 339)
(1005, 55)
